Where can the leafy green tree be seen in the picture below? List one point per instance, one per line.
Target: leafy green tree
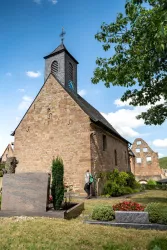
(57, 182)
(139, 38)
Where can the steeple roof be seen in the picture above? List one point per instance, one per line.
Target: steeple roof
(58, 50)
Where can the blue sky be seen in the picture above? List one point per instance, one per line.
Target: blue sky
(29, 30)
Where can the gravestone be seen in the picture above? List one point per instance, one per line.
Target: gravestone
(25, 192)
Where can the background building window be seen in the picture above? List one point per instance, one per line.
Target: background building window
(70, 72)
(104, 142)
(138, 160)
(54, 68)
(138, 142)
(115, 156)
(148, 158)
(145, 150)
(137, 150)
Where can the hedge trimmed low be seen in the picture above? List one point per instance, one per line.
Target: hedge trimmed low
(103, 213)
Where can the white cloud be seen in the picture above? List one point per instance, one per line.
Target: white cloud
(82, 92)
(21, 90)
(33, 74)
(160, 155)
(124, 121)
(37, 1)
(53, 1)
(120, 103)
(18, 118)
(8, 74)
(25, 103)
(160, 143)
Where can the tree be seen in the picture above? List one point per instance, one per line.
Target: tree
(57, 182)
(139, 63)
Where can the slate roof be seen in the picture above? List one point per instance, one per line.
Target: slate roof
(93, 113)
(58, 50)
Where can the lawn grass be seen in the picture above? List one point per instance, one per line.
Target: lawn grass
(57, 234)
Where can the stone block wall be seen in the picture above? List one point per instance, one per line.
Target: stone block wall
(149, 165)
(104, 160)
(54, 126)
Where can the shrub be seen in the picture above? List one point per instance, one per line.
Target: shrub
(157, 213)
(131, 182)
(1, 173)
(111, 188)
(158, 244)
(57, 182)
(103, 212)
(127, 190)
(151, 182)
(128, 206)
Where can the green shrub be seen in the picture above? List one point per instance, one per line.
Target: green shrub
(131, 182)
(158, 244)
(1, 173)
(151, 182)
(57, 182)
(127, 190)
(112, 188)
(2, 165)
(103, 212)
(157, 213)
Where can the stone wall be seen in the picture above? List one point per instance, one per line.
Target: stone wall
(7, 153)
(104, 160)
(149, 165)
(54, 126)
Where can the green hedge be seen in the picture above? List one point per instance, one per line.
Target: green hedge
(157, 213)
(103, 213)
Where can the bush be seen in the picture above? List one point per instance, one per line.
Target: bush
(57, 183)
(131, 182)
(111, 188)
(158, 244)
(151, 182)
(128, 206)
(103, 212)
(127, 190)
(1, 173)
(157, 213)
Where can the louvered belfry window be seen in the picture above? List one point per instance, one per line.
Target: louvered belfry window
(54, 68)
(70, 72)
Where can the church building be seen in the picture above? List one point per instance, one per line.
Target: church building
(60, 122)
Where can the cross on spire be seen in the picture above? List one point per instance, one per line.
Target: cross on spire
(62, 35)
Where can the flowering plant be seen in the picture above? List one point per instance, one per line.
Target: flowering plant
(128, 206)
(50, 199)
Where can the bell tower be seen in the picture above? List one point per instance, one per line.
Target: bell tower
(62, 65)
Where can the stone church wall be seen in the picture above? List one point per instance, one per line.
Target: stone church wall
(146, 161)
(7, 153)
(54, 126)
(104, 160)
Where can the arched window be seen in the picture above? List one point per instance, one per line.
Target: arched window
(70, 70)
(115, 156)
(54, 68)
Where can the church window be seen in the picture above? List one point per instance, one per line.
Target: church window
(54, 68)
(115, 157)
(138, 160)
(70, 72)
(148, 158)
(104, 143)
(138, 142)
(145, 150)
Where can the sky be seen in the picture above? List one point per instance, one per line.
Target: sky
(29, 30)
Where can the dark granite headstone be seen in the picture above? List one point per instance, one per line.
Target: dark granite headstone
(25, 192)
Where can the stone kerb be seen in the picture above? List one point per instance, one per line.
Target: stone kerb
(131, 217)
(25, 192)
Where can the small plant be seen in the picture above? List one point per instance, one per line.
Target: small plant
(151, 182)
(57, 183)
(128, 206)
(157, 213)
(103, 212)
